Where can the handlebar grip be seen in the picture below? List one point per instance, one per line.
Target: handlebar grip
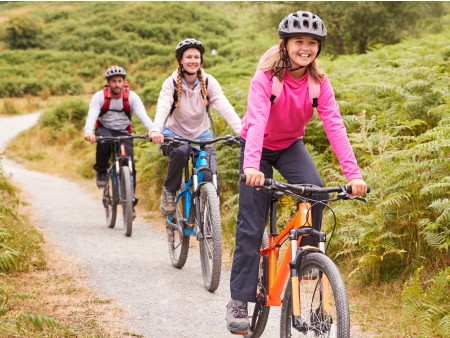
(348, 189)
(243, 178)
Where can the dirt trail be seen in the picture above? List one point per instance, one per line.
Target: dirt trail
(159, 300)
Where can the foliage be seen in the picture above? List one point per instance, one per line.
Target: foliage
(20, 249)
(20, 242)
(359, 26)
(426, 305)
(63, 46)
(24, 32)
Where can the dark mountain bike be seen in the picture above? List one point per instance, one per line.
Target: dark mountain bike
(119, 189)
(315, 301)
(198, 211)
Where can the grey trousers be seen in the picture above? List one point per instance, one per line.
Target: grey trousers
(296, 165)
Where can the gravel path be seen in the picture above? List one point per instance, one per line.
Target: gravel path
(159, 300)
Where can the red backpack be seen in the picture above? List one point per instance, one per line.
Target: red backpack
(277, 85)
(125, 101)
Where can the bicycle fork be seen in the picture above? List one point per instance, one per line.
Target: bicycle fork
(297, 255)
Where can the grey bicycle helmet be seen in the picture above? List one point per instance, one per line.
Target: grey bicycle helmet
(115, 71)
(302, 22)
(186, 44)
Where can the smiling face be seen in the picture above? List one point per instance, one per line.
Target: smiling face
(191, 60)
(302, 50)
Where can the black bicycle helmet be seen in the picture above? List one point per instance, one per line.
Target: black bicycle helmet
(302, 22)
(115, 71)
(186, 44)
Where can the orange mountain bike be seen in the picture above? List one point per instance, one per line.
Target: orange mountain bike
(315, 301)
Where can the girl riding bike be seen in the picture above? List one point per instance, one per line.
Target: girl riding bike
(272, 135)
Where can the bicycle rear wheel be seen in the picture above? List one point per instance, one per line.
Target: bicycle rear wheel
(110, 201)
(258, 312)
(127, 199)
(211, 238)
(178, 241)
(324, 310)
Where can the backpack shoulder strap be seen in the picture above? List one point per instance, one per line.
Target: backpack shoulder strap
(107, 100)
(207, 110)
(314, 91)
(175, 97)
(125, 100)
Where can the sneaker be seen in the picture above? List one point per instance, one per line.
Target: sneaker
(237, 317)
(102, 179)
(167, 206)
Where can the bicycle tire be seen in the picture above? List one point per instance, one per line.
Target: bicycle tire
(258, 312)
(211, 238)
(178, 241)
(317, 323)
(110, 202)
(127, 200)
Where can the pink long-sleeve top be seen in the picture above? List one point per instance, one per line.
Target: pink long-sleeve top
(278, 126)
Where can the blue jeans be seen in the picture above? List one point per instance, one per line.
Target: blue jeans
(178, 157)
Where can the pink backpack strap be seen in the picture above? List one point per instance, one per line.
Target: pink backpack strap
(277, 85)
(314, 91)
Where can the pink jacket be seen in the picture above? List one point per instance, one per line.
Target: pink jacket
(279, 126)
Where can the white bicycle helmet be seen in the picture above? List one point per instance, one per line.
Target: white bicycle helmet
(115, 71)
(186, 44)
(302, 22)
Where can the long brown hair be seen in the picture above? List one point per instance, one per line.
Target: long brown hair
(279, 59)
(203, 88)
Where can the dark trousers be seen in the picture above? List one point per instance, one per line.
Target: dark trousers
(104, 150)
(297, 167)
(177, 161)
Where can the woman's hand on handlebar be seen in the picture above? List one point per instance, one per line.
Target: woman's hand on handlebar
(157, 138)
(90, 138)
(359, 187)
(253, 177)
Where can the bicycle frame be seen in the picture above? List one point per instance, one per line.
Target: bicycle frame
(119, 158)
(191, 189)
(278, 275)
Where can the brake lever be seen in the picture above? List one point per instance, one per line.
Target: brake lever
(346, 196)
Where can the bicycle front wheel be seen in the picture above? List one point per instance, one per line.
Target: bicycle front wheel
(258, 312)
(178, 241)
(127, 199)
(110, 201)
(211, 238)
(324, 310)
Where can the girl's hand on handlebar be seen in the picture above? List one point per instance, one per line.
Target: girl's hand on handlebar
(359, 187)
(90, 138)
(157, 138)
(253, 177)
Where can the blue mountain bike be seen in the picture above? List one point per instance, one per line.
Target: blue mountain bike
(198, 211)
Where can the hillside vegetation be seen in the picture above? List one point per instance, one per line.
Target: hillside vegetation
(393, 95)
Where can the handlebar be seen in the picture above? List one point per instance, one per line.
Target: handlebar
(273, 186)
(177, 140)
(120, 138)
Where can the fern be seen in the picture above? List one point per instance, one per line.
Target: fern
(426, 306)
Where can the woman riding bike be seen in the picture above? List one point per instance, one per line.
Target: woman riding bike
(183, 110)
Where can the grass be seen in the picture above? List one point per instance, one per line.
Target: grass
(58, 292)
